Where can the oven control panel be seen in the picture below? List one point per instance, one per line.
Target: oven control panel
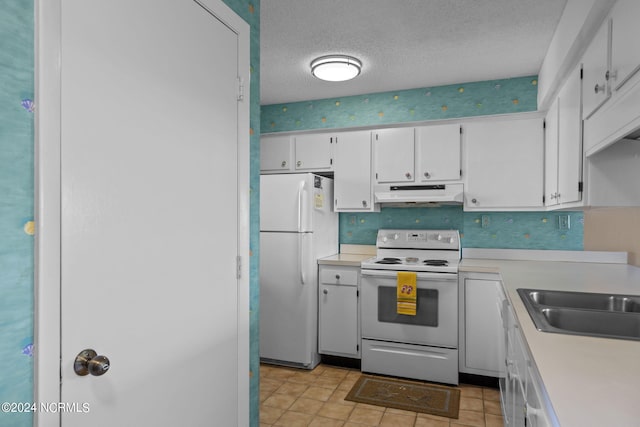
(418, 239)
(417, 236)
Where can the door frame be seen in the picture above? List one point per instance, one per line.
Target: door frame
(47, 280)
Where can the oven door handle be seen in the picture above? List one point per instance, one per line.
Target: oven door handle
(420, 276)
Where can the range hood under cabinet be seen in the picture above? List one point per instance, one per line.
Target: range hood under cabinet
(419, 194)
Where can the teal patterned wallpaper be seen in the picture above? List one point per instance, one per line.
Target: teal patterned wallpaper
(17, 194)
(16, 207)
(436, 103)
(515, 230)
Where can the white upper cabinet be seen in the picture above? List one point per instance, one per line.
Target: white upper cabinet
(438, 153)
(570, 154)
(297, 153)
(417, 155)
(625, 32)
(352, 172)
(613, 59)
(314, 152)
(504, 164)
(551, 155)
(394, 155)
(276, 153)
(595, 64)
(563, 145)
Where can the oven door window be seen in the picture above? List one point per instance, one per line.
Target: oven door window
(426, 307)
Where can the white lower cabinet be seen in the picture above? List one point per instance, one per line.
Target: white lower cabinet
(338, 311)
(524, 400)
(481, 349)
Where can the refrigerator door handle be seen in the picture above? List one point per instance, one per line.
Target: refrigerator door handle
(303, 280)
(300, 193)
(301, 190)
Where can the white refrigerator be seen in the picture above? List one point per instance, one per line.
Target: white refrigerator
(297, 226)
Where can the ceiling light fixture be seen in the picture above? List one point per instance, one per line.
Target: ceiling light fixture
(336, 68)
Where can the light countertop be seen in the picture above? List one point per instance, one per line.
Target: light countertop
(590, 381)
(350, 255)
(344, 259)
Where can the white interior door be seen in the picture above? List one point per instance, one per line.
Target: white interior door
(149, 213)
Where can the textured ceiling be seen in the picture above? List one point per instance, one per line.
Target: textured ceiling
(404, 44)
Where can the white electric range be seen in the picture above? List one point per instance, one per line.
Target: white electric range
(421, 346)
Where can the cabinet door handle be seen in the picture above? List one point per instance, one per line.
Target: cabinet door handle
(364, 203)
(299, 163)
(337, 277)
(408, 175)
(284, 164)
(598, 88)
(474, 201)
(427, 175)
(610, 75)
(325, 291)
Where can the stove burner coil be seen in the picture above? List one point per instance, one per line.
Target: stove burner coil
(435, 262)
(389, 261)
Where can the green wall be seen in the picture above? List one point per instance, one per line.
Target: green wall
(521, 230)
(17, 194)
(16, 206)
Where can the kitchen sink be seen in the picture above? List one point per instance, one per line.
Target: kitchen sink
(586, 300)
(584, 313)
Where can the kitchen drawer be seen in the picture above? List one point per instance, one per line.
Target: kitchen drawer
(339, 276)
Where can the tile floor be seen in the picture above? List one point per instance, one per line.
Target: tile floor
(294, 397)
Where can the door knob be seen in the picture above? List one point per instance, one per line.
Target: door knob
(89, 362)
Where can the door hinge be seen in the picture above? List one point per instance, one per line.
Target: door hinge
(240, 89)
(544, 124)
(460, 130)
(357, 347)
(238, 267)
(357, 293)
(581, 73)
(330, 161)
(580, 186)
(543, 199)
